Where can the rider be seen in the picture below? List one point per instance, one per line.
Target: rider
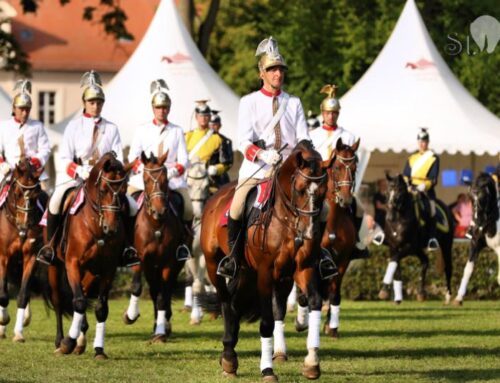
(422, 171)
(222, 159)
(158, 137)
(268, 119)
(86, 137)
(21, 136)
(325, 140)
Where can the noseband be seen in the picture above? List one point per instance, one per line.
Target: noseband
(28, 207)
(347, 162)
(157, 192)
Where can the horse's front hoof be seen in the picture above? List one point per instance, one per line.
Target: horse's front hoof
(397, 302)
(300, 327)
(158, 338)
(81, 344)
(269, 376)
(383, 294)
(311, 372)
(195, 321)
(127, 320)
(100, 354)
(421, 297)
(229, 366)
(18, 338)
(457, 303)
(331, 332)
(68, 345)
(280, 357)
(57, 352)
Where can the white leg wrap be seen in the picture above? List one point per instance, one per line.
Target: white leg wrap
(398, 290)
(334, 316)
(196, 311)
(292, 298)
(279, 336)
(3, 313)
(133, 307)
(100, 331)
(313, 331)
(18, 328)
(389, 273)
(188, 296)
(469, 268)
(76, 325)
(312, 358)
(266, 353)
(303, 315)
(160, 323)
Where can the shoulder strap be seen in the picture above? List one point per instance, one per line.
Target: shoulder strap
(281, 110)
(199, 144)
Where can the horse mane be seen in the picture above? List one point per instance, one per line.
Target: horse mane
(113, 165)
(485, 181)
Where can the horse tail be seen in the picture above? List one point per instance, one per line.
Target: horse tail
(210, 303)
(443, 260)
(245, 297)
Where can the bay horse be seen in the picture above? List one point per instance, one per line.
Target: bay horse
(486, 228)
(88, 252)
(281, 246)
(20, 240)
(405, 235)
(157, 236)
(339, 235)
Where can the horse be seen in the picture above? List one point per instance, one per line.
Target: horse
(21, 237)
(88, 252)
(406, 235)
(280, 247)
(486, 229)
(339, 234)
(199, 191)
(157, 236)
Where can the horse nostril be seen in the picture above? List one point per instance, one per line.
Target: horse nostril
(105, 228)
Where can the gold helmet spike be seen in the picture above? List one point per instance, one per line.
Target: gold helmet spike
(269, 54)
(159, 95)
(202, 107)
(23, 98)
(330, 103)
(93, 86)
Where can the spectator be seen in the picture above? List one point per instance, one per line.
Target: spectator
(380, 202)
(462, 212)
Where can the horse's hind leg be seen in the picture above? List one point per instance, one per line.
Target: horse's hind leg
(81, 341)
(302, 319)
(55, 299)
(132, 313)
(333, 317)
(280, 294)
(424, 262)
(446, 252)
(475, 247)
(101, 315)
(23, 296)
(389, 276)
(4, 295)
(397, 285)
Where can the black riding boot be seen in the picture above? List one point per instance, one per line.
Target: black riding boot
(129, 256)
(433, 243)
(46, 253)
(327, 267)
(229, 264)
(183, 252)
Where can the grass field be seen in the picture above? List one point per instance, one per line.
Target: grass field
(380, 342)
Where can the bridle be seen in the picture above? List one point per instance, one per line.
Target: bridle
(348, 163)
(157, 192)
(27, 207)
(485, 219)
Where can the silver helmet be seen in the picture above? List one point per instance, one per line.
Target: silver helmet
(269, 54)
(23, 98)
(93, 86)
(159, 95)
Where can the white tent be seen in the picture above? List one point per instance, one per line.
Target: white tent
(409, 86)
(167, 51)
(5, 105)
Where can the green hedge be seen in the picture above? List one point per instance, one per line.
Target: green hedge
(364, 277)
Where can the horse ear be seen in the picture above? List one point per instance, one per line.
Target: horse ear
(163, 158)
(106, 165)
(355, 146)
(144, 159)
(339, 144)
(388, 176)
(299, 159)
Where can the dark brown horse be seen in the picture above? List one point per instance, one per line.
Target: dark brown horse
(20, 240)
(282, 246)
(158, 237)
(88, 254)
(339, 236)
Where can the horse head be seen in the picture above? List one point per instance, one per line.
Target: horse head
(341, 168)
(23, 194)
(106, 188)
(484, 200)
(155, 184)
(397, 190)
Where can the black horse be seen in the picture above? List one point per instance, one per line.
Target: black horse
(406, 235)
(486, 228)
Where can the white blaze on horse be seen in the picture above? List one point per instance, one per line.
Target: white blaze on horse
(486, 227)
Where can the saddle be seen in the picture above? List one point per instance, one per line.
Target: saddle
(421, 204)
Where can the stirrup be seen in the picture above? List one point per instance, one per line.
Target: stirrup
(130, 257)
(378, 239)
(327, 267)
(433, 244)
(222, 267)
(46, 255)
(182, 253)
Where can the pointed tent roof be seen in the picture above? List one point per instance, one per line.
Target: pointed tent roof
(167, 51)
(409, 86)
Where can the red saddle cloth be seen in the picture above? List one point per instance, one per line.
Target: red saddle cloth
(3, 194)
(79, 199)
(263, 193)
(140, 200)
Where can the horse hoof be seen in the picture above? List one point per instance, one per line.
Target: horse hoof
(100, 355)
(79, 350)
(383, 295)
(213, 316)
(229, 367)
(68, 345)
(269, 376)
(299, 327)
(158, 338)
(195, 322)
(280, 357)
(311, 372)
(186, 309)
(18, 338)
(331, 332)
(457, 303)
(57, 352)
(421, 297)
(229, 374)
(127, 320)
(397, 302)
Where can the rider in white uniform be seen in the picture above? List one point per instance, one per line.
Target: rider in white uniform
(21, 136)
(87, 137)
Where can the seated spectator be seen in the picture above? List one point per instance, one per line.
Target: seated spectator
(380, 202)
(462, 212)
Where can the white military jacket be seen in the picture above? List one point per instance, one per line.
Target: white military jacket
(255, 113)
(325, 139)
(36, 142)
(77, 141)
(148, 138)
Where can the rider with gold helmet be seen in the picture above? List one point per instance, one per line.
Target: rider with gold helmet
(21, 136)
(87, 137)
(157, 137)
(221, 159)
(421, 171)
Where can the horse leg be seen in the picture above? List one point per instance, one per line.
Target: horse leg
(4, 294)
(291, 301)
(132, 312)
(475, 248)
(388, 277)
(424, 261)
(197, 287)
(24, 295)
(446, 253)
(55, 299)
(266, 325)
(333, 319)
(279, 303)
(302, 319)
(397, 285)
(159, 335)
(81, 341)
(101, 314)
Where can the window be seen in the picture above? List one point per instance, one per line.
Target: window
(47, 107)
